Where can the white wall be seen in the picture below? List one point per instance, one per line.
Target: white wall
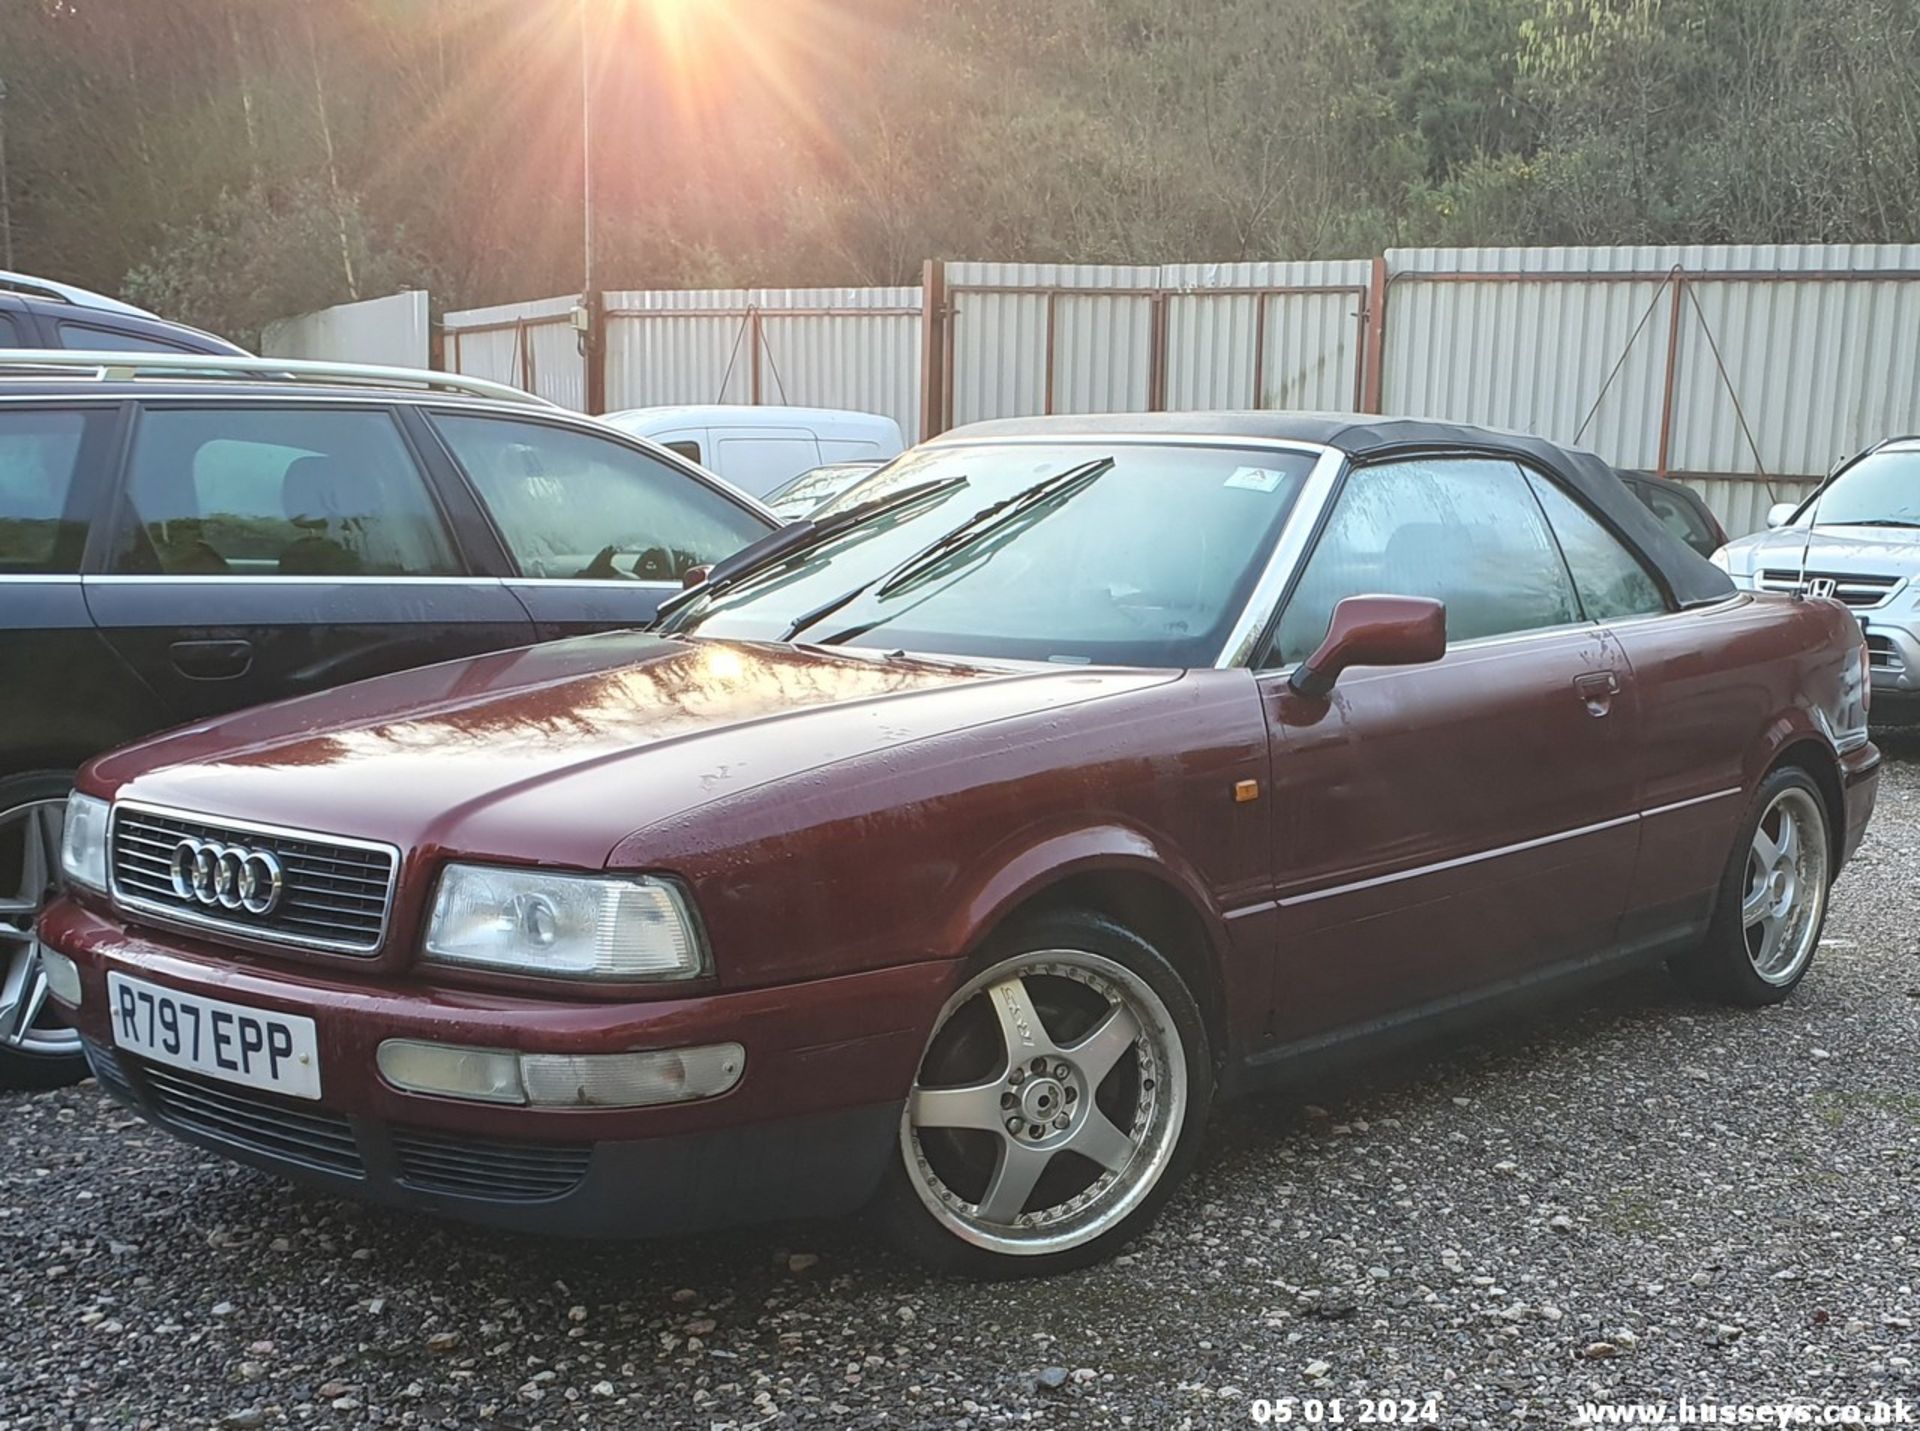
(390, 332)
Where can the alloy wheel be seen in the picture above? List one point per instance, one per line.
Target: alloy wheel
(1048, 1105)
(1785, 896)
(29, 871)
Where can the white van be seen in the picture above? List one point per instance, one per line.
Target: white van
(757, 448)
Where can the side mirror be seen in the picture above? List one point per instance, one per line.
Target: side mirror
(1373, 631)
(1780, 513)
(694, 575)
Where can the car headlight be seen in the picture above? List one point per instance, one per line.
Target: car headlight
(619, 927)
(1719, 559)
(83, 844)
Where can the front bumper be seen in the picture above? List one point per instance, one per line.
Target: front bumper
(1859, 789)
(807, 1132)
(1893, 656)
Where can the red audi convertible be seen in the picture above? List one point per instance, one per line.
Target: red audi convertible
(950, 851)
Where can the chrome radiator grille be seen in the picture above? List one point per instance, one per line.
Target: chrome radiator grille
(279, 886)
(1850, 590)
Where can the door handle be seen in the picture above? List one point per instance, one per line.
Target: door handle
(212, 660)
(1597, 689)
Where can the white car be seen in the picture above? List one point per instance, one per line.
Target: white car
(1856, 540)
(758, 448)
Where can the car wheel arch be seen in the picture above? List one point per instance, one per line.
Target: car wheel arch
(1817, 758)
(1122, 875)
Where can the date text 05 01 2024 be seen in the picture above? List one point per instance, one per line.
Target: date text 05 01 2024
(1338, 1411)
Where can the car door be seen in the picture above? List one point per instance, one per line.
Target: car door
(67, 695)
(600, 532)
(1701, 702)
(758, 459)
(264, 550)
(1448, 828)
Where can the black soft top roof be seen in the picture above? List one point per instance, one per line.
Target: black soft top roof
(1367, 437)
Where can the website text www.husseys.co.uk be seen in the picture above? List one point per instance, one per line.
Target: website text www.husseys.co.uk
(1686, 1411)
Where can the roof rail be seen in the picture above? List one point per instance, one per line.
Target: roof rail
(131, 367)
(68, 293)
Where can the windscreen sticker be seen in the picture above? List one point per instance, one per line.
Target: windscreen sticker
(1255, 479)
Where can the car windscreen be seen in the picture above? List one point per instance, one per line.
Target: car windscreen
(1881, 489)
(1143, 563)
(815, 487)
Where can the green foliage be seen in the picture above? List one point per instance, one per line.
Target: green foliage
(258, 254)
(231, 161)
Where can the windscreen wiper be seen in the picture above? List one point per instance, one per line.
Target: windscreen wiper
(982, 523)
(990, 519)
(1879, 522)
(801, 536)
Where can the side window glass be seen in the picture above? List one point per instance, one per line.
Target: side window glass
(572, 505)
(1610, 579)
(39, 453)
(1465, 531)
(90, 337)
(278, 492)
(9, 332)
(1679, 516)
(686, 447)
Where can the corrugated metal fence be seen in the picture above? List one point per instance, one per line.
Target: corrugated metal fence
(1746, 371)
(815, 347)
(820, 347)
(531, 345)
(1021, 339)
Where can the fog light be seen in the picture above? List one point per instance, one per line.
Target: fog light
(562, 1080)
(490, 1075)
(63, 977)
(631, 1080)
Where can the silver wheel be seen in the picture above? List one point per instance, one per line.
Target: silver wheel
(29, 868)
(1785, 895)
(1048, 1105)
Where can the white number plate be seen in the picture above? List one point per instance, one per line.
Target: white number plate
(262, 1049)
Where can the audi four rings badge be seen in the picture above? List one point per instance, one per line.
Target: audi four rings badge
(230, 876)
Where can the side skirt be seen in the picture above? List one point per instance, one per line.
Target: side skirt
(1302, 1059)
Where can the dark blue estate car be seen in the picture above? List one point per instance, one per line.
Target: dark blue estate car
(185, 536)
(39, 313)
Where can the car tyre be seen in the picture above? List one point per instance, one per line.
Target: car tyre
(1772, 902)
(1061, 1099)
(37, 1050)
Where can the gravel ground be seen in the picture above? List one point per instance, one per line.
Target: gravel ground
(1629, 1198)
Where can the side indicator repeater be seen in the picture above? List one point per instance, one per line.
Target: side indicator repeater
(1245, 790)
